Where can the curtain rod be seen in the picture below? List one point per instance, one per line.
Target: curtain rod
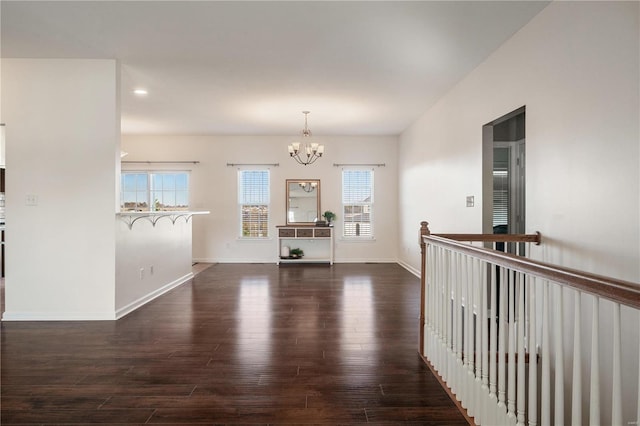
(253, 164)
(360, 164)
(162, 162)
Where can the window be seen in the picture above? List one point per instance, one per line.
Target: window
(253, 200)
(134, 192)
(154, 191)
(357, 203)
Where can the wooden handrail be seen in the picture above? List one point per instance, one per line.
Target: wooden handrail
(623, 292)
(490, 238)
(494, 238)
(487, 238)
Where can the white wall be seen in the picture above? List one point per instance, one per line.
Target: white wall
(575, 67)
(62, 138)
(214, 188)
(150, 260)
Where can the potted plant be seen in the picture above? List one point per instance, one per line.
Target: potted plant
(329, 215)
(296, 253)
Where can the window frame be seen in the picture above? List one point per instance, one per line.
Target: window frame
(241, 204)
(370, 204)
(149, 190)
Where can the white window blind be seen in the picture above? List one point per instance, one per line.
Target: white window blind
(253, 199)
(357, 203)
(500, 197)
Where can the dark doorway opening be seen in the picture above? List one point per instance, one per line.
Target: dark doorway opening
(504, 175)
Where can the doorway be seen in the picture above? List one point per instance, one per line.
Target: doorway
(504, 175)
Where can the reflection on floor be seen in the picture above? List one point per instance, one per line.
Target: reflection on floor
(250, 344)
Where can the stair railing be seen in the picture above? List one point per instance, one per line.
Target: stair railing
(500, 330)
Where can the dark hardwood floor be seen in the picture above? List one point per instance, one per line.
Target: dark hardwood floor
(241, 344)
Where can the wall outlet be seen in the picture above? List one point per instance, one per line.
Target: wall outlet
(31, 200)
(142, 273)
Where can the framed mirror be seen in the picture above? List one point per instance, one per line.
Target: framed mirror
(303, 201)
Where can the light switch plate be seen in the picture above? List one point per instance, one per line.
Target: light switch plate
(470, 201)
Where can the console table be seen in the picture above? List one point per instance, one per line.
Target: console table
(315, 241)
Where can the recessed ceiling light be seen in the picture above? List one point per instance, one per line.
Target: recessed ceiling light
(140, 92)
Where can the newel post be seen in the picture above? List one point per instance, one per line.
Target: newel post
(424, 230)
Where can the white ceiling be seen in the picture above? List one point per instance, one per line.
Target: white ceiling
(213, 67)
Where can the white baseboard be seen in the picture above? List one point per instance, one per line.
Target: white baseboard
(209, 260)
(58, 316)
(368, 260)
(203, 260)
(409, 268)
(153, 295)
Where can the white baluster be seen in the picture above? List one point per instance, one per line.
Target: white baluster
(485, 344)
(437, 306)
(435, 301)
(502, 333)
(464, 338)
(533, 358)
(478, 285)
(545, 396)
(451, 318)
(638, 404)
(457, 360)
(463, 329)
(446, 320)
(440, 315)
(430, 301)
(521, 403)
(434, 309)
(594, 396)
(428, 296)
(449, 312)
(440, 307)
(559, 358)
(616, 394)
(511, 375)
(452, 260)
(576, 387)
(474, 379)
(493, 348)
(470, 349)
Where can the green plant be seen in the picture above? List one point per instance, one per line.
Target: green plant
(296, 252)
(329, 215)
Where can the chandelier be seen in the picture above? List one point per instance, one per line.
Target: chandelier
(309, 153)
